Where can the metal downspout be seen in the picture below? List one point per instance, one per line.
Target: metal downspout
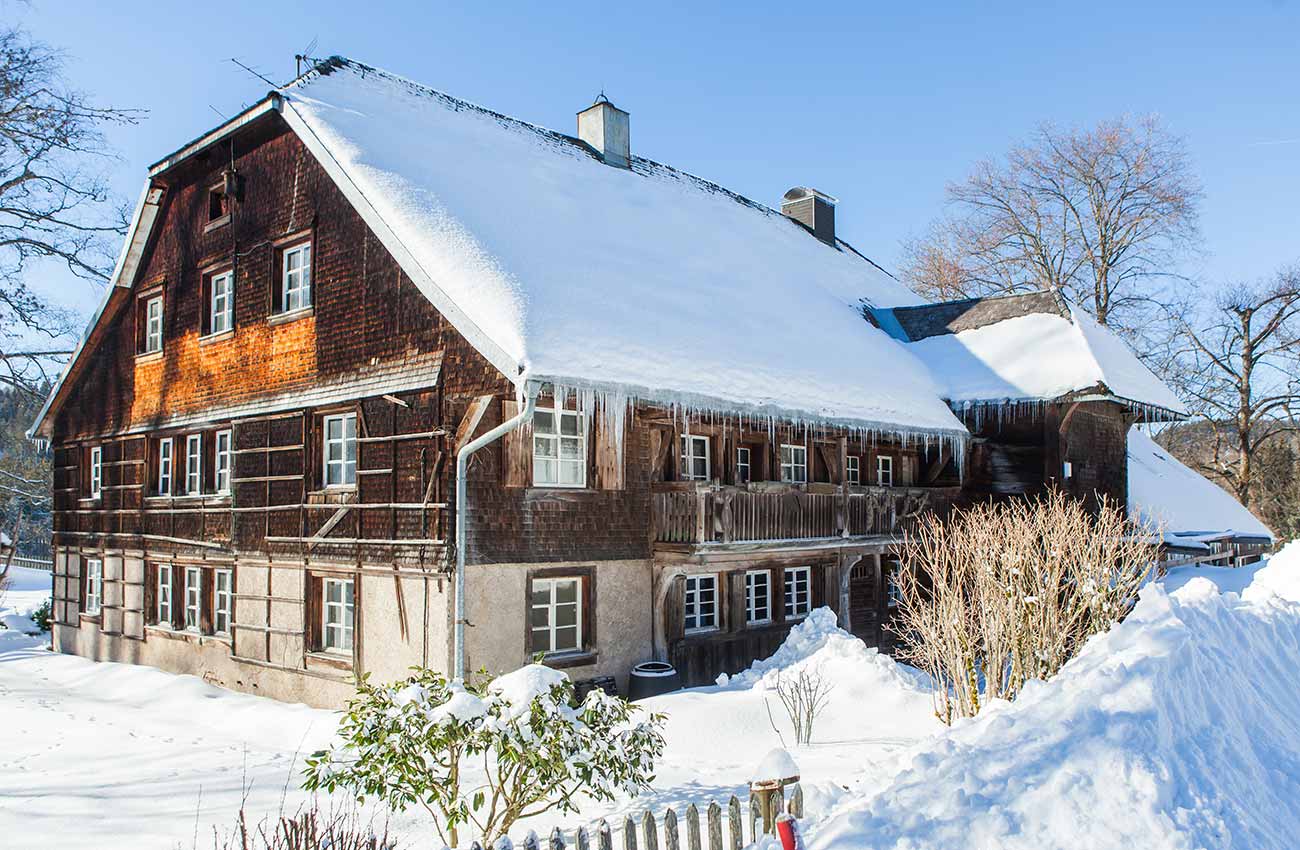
(462, 500)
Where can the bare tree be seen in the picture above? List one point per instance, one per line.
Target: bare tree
(1101, 215)
(55, 204)
(803, 694)
(1240, 368)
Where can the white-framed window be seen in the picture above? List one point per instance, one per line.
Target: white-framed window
(559, 448)
(165, 466)
(164, 594)
(295, 279)
(194, 464)
(221, 302)
(153, 325)
(94, 586)
(742, 465)
(193, 598)
(556, 615)
(758, 597)
(222, 456)
(223, 600)
(1067, 470)
(892, 593)
(853, 469)
(695, 458)
(338, 613)
(701, 612)
(340, 450)
(798, 592)
(96, 472)
(885, 471)
(794, 464)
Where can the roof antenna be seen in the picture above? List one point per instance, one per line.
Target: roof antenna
(254, 73)
(305, 56)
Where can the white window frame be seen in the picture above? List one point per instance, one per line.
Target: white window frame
(885, 470)
(752, 612)
(338, 616)
(96, 472)
(153, 325)
(547, 449)
(94, 586)
(853, 469)
(797, 463)
(222, 461)
(742, 462)
(1067, 470)
(193, 599)
(165, 459)
(551, 606)
(892, 594)
(694, 617)
(295, 284)
(797, 592)
(221, 302)
(163, 608)
(193, 464)
(223, 601)
(342, 463)
(691, 445)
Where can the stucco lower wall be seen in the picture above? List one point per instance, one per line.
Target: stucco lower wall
(497, 609)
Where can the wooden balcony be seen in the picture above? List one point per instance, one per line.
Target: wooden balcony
(691, 513)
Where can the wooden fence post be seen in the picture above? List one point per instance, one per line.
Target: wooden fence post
(671, 841)
(584, 841)
(757, 815)
(795, 807)
(651, 834)
(737, 827)
(629, 833)
(604, 836)
(715, 826)
(530, 841)
(556, 840)
(692, 828)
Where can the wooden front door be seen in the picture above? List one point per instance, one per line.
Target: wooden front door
(864, 601)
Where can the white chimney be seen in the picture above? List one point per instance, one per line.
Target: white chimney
(605, 127)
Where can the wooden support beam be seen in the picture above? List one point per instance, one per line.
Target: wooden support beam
(473, 417)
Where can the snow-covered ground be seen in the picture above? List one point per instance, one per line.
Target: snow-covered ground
(1179, 728)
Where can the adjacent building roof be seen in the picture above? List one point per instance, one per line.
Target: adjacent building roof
(1031, 347)
(1190, 509)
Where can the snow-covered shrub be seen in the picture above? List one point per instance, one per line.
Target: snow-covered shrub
(803, 693)
(1007, 592)
(41, 616)
(487, 757)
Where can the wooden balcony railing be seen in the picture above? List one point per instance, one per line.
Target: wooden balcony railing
(691, 512)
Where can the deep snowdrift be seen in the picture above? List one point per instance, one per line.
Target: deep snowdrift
(1180, 728)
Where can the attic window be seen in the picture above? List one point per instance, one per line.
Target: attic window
(149, 324)
(218, 205)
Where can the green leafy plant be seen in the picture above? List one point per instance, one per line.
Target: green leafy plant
(486, 757)
(41, 616)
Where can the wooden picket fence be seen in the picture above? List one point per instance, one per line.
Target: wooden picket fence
(649, 831)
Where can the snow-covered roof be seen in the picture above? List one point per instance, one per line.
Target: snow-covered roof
(645, 282)
(1032, 347)
(1191, 509)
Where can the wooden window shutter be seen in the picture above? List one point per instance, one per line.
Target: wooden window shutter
(208, 603)
(517, 453)
(609, 457)
(831, 457)
(735, 588)
(151, 594)
(675, 612)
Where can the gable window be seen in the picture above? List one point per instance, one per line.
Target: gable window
(164, 610)
(223, 600)
(295, 278)
(340, 446)
(885, 471)
(758, 597)
(165, 466)
(194, 464)
(556, 616)
(218, 205)
(221, 462)
(794, 464)
(852, 469)
(96, 472)
(338, 613)
(94, 585)
(742, 465)
(701, 613)
(221, 302)
(193, 598)
(798, 592)
(559, 448)
(695, 458)
(153, 325)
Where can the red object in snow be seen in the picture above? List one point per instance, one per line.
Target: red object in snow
(788, 831)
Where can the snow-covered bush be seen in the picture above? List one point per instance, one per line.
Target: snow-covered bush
(487, 757)
(1007, 592)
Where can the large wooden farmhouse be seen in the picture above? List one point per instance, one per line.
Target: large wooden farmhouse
(683, 419)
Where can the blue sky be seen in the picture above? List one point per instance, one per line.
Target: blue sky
(879, 105)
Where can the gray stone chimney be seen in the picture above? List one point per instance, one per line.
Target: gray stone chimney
(813, 209)
(605, 127)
